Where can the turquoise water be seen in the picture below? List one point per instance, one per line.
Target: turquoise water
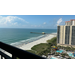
(60, 51)
(53, 58)
(15, 36)
(70, 54)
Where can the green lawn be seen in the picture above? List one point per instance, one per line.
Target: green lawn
(53, 41)
(38, 48)
(43, 48)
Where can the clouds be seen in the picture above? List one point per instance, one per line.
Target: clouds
(11, 21)
(35, 26)
(15, 23)
(20, 22)
(44, 23)
(59, 21)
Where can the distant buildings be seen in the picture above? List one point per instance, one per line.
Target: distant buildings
(66, 34)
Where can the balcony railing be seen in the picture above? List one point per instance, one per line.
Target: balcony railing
(16, 53)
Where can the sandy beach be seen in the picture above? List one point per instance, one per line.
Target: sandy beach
(31, 44)
(42, 40)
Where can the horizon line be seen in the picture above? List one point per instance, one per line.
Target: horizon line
(26, 28)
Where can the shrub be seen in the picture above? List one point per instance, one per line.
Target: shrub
(52, 41)
(64, 54)
(69, 58)
(43, 48)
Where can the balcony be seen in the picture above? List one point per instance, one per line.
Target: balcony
(16, 53)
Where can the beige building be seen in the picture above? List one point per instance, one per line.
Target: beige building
(66, 34)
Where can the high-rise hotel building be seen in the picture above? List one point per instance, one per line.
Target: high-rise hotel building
(66, 34)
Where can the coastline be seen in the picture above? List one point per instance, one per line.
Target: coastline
(28, 46)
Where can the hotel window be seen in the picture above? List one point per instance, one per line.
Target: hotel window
(73, 36)
(67, 34)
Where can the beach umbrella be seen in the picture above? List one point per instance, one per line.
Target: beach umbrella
(54, 46)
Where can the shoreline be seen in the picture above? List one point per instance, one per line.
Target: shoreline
(20, 43)
(44, 39)
(29, 45)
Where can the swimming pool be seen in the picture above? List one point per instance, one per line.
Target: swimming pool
(60, 51)
(53, 58)
(70, 54)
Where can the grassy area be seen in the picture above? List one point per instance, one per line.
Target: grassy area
(39, 48)
(43, 48)
(53, 41)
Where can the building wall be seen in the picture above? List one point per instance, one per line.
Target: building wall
(66, 45)
(74, 22)
(63, 34)
(67, 34)
(66, 23)
(70, 35)
(69, 23)
(73, 36)
(58, 34)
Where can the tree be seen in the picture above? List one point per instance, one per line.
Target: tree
(69, 57)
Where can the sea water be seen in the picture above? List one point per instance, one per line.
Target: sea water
(17, 36)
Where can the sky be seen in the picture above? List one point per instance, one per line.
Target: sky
(34, 21)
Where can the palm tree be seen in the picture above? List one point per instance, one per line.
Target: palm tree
(51, 51)
(63, 48)
(60, 47)
(71, 47)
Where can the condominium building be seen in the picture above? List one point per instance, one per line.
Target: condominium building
(66, 34)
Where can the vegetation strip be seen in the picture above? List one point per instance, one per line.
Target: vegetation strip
(46, 49)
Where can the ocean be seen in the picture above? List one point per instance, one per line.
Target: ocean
(18, 36)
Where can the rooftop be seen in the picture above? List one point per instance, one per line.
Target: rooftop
(70, 20)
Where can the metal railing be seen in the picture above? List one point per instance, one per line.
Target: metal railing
(16, 52)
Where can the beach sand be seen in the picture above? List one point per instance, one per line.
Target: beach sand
(42, 40)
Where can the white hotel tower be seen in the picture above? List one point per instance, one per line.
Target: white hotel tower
(66, 34)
